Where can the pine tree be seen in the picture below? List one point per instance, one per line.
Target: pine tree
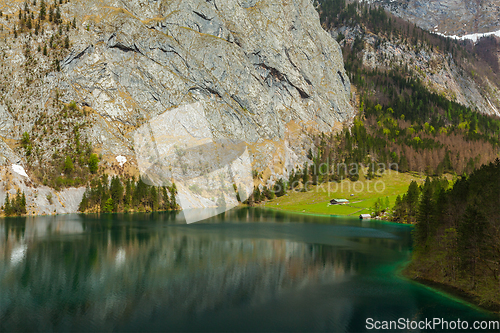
(257, 194)
(399, 210)
(305, 176)
(43, 11)
(166, 201)
(154, 198)
(68, 165)
(269, 193)
(108, 206)
(403, 165)
(116, 191)
(471, 235)
(411, 199)
(7, 206)
(173, 200)
(23, 204)
(84, 204)
(424, 216)
(280, 188)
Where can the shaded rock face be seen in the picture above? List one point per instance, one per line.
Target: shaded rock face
(255, 65)
(452, 17)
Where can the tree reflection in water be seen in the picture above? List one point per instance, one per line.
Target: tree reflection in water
(111, 267)
(245, 270)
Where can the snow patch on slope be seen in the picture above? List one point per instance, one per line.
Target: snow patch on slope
(474, 37)
(121, 159)
(19, 170)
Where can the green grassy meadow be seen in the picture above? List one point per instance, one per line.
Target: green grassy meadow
(361, 194)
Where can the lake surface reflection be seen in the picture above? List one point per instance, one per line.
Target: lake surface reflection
(246, 270)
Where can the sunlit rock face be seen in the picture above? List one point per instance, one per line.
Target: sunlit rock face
(264, 73)
(254, 65)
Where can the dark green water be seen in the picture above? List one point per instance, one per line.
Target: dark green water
(248, 270)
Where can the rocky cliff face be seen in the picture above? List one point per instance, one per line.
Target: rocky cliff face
(265, 72)
(450, 17)
(255, 65)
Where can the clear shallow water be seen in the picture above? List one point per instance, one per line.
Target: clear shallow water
(248, 270)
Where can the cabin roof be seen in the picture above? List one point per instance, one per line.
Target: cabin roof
(340, 200)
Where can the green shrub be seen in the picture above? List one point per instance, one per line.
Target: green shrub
(93, 163)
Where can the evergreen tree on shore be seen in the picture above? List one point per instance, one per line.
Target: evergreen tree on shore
(457, 231)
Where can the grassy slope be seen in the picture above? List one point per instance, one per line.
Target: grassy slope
(316, 200)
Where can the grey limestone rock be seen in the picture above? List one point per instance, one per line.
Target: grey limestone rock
(256, 65)
(451, 17)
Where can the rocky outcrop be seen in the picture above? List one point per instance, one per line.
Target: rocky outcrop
(40, 200)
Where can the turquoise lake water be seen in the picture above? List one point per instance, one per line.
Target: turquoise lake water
(248, 270)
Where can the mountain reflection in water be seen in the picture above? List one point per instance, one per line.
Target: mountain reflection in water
(152, 272)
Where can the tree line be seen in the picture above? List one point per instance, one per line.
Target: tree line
(116, 194)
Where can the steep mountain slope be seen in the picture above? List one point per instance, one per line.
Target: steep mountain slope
(460, 70)
(81, 76)
(427, 103)
(438, 70)
(450, 17)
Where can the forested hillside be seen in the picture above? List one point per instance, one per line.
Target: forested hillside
(402, 124)
(480, 57)
(409, 126)
(401, 120)
(457, 231)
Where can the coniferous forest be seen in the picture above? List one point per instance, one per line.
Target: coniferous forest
(400, 120)
(457, 229)
(16, 205)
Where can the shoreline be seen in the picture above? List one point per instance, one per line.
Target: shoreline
(449, 291)
(401, 271)
(88, 213)
(332, 215)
